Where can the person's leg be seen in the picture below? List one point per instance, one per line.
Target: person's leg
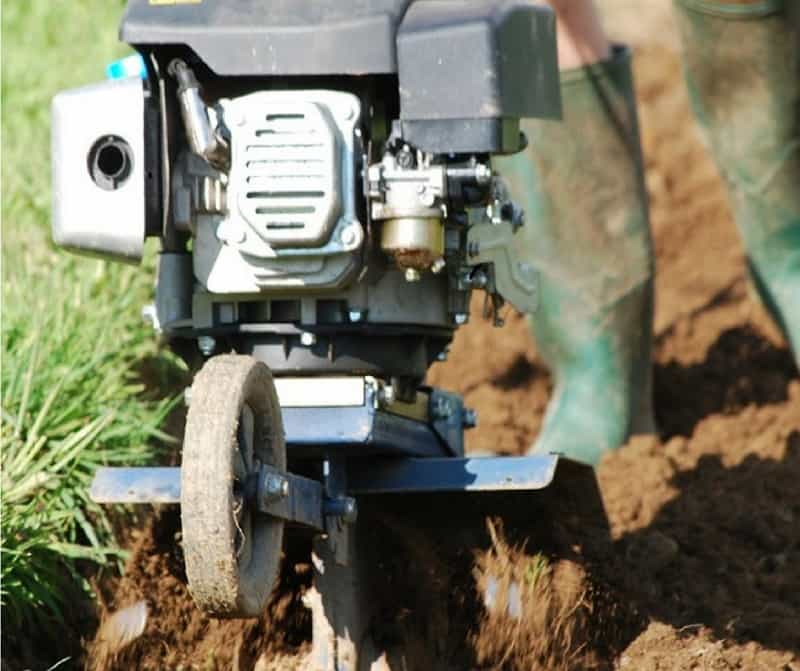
(580, 183)
(742, 67)
(580, 35)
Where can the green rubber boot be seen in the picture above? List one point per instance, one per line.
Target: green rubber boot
(580, 184)
(742, 68)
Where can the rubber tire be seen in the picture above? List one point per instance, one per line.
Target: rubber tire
(218, 582)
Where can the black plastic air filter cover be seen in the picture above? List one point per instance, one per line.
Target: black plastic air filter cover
(470, 69)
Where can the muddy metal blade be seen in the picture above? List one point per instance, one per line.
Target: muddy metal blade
(364, 476)
(479, 474)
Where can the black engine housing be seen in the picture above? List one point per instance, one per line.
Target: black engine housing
(467, 70)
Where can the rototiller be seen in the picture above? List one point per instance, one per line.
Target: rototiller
(318, 174)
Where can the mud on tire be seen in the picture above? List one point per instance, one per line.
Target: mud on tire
(233, 424)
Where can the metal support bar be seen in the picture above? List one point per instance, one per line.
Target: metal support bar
(336, 527)
(302, 504)
(342, 608)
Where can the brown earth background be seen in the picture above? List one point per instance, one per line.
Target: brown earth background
(702, 568)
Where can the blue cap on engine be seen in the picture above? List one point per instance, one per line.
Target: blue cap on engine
(130, 66)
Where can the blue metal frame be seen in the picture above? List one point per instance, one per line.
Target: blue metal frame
(359, 431)
(369, 430)
(405, 456)
(400, 475)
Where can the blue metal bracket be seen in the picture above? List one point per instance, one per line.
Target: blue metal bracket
(361, 431)
(303, 502)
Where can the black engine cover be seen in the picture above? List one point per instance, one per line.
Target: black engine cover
(468, 70)
(273, 37)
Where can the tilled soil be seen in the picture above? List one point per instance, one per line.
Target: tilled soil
(177, 635)
(699, 567)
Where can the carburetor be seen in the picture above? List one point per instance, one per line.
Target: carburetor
(409, 194)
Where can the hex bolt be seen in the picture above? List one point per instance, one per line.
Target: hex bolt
(350, 514)
(386, 395)
(271, 487)
(345, 508)
(513, 214)
(483, 173)
(438, 265)
(442, 408)
(460, 318)
(469, 418)
(479, 279)
(206, 344)
(349, 235)
(405, 159)
(276, 486)
(412, 275)
(308, 339)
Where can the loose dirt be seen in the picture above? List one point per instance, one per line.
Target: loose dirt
(176, 635)
(699, 567)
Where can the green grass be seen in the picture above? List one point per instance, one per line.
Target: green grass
(71, 330)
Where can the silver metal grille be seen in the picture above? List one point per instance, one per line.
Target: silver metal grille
(291, 221)
(287, 173)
